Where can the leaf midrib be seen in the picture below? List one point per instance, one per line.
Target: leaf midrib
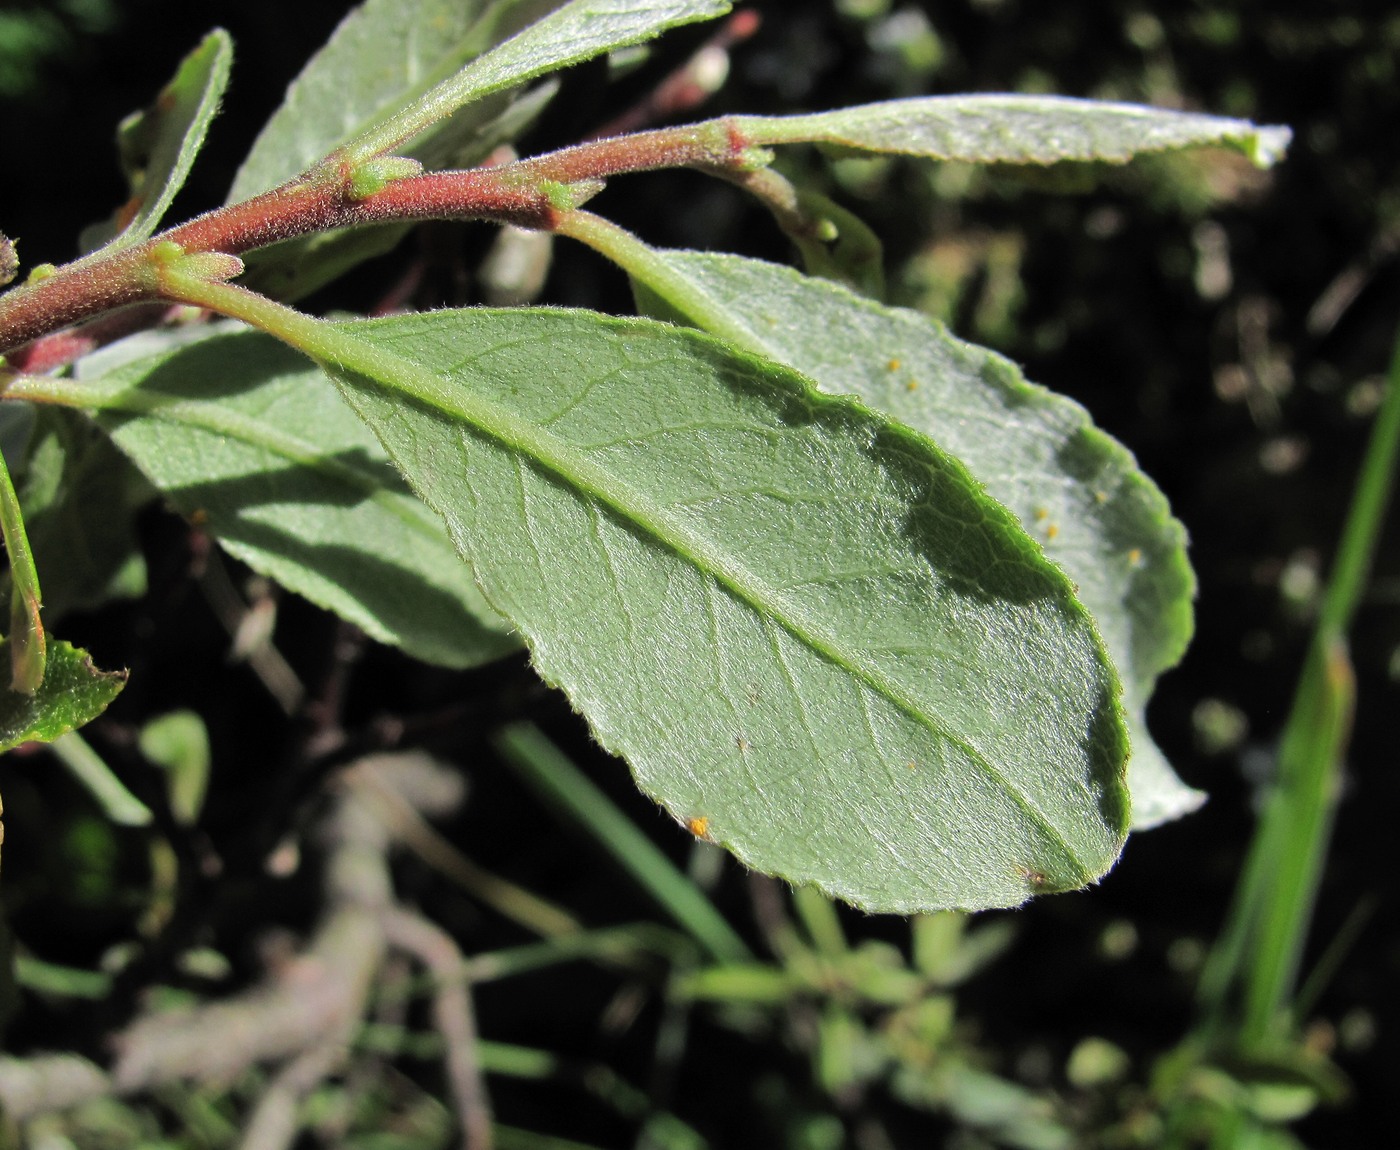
(565, 461)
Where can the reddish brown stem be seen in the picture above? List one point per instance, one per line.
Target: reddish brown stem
(526, 193)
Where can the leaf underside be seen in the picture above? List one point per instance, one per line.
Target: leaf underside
(1075, 489)
(247, 438)
(794, 618)
(1013, 128)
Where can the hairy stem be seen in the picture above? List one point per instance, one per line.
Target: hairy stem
(535, 193)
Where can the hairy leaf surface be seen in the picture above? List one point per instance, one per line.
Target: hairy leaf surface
(383, 55)
(73, 693)
(577, 31)
(1017, 129)
(1073, 487)
(159, 144)
(795, 619)
(242, 434)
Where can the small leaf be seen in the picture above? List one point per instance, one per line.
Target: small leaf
(383, 55)
(179, 742)
(1016, 129)
(576, 32)
(794, 618)
(1073, 487)
(73, 693)
(245, 437)
(159, 144)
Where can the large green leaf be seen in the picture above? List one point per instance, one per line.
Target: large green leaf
(243, 434)
(159, 144)
(1073, 487)
(797, 620)
(73, 693)
(1016, 129)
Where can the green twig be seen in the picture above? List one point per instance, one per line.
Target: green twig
(28, 647)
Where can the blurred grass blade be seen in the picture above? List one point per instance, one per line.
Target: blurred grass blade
(1261, 946)
(86, 765)
(550, 772)
(178, 742)
(61, 981)
(636, 944)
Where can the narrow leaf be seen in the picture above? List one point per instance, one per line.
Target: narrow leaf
(245, 437)
(798, 621)
(1016, 129)
(74, 692)
(1074, 488)
(549, 771)
(385, 54)
(576, 32)
(159, 144)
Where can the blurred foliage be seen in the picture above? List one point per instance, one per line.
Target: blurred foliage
(32, 35)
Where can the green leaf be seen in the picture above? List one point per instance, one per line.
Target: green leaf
(385, 54)
(576, 32)
(1074, 488)
(80, 500)
(242, 434)
(91, 771)
(796, 619)
(1016, 129)
(158, 145)
(179, 742)
(73, 693)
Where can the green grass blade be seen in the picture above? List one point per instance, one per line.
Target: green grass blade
(552, 773)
